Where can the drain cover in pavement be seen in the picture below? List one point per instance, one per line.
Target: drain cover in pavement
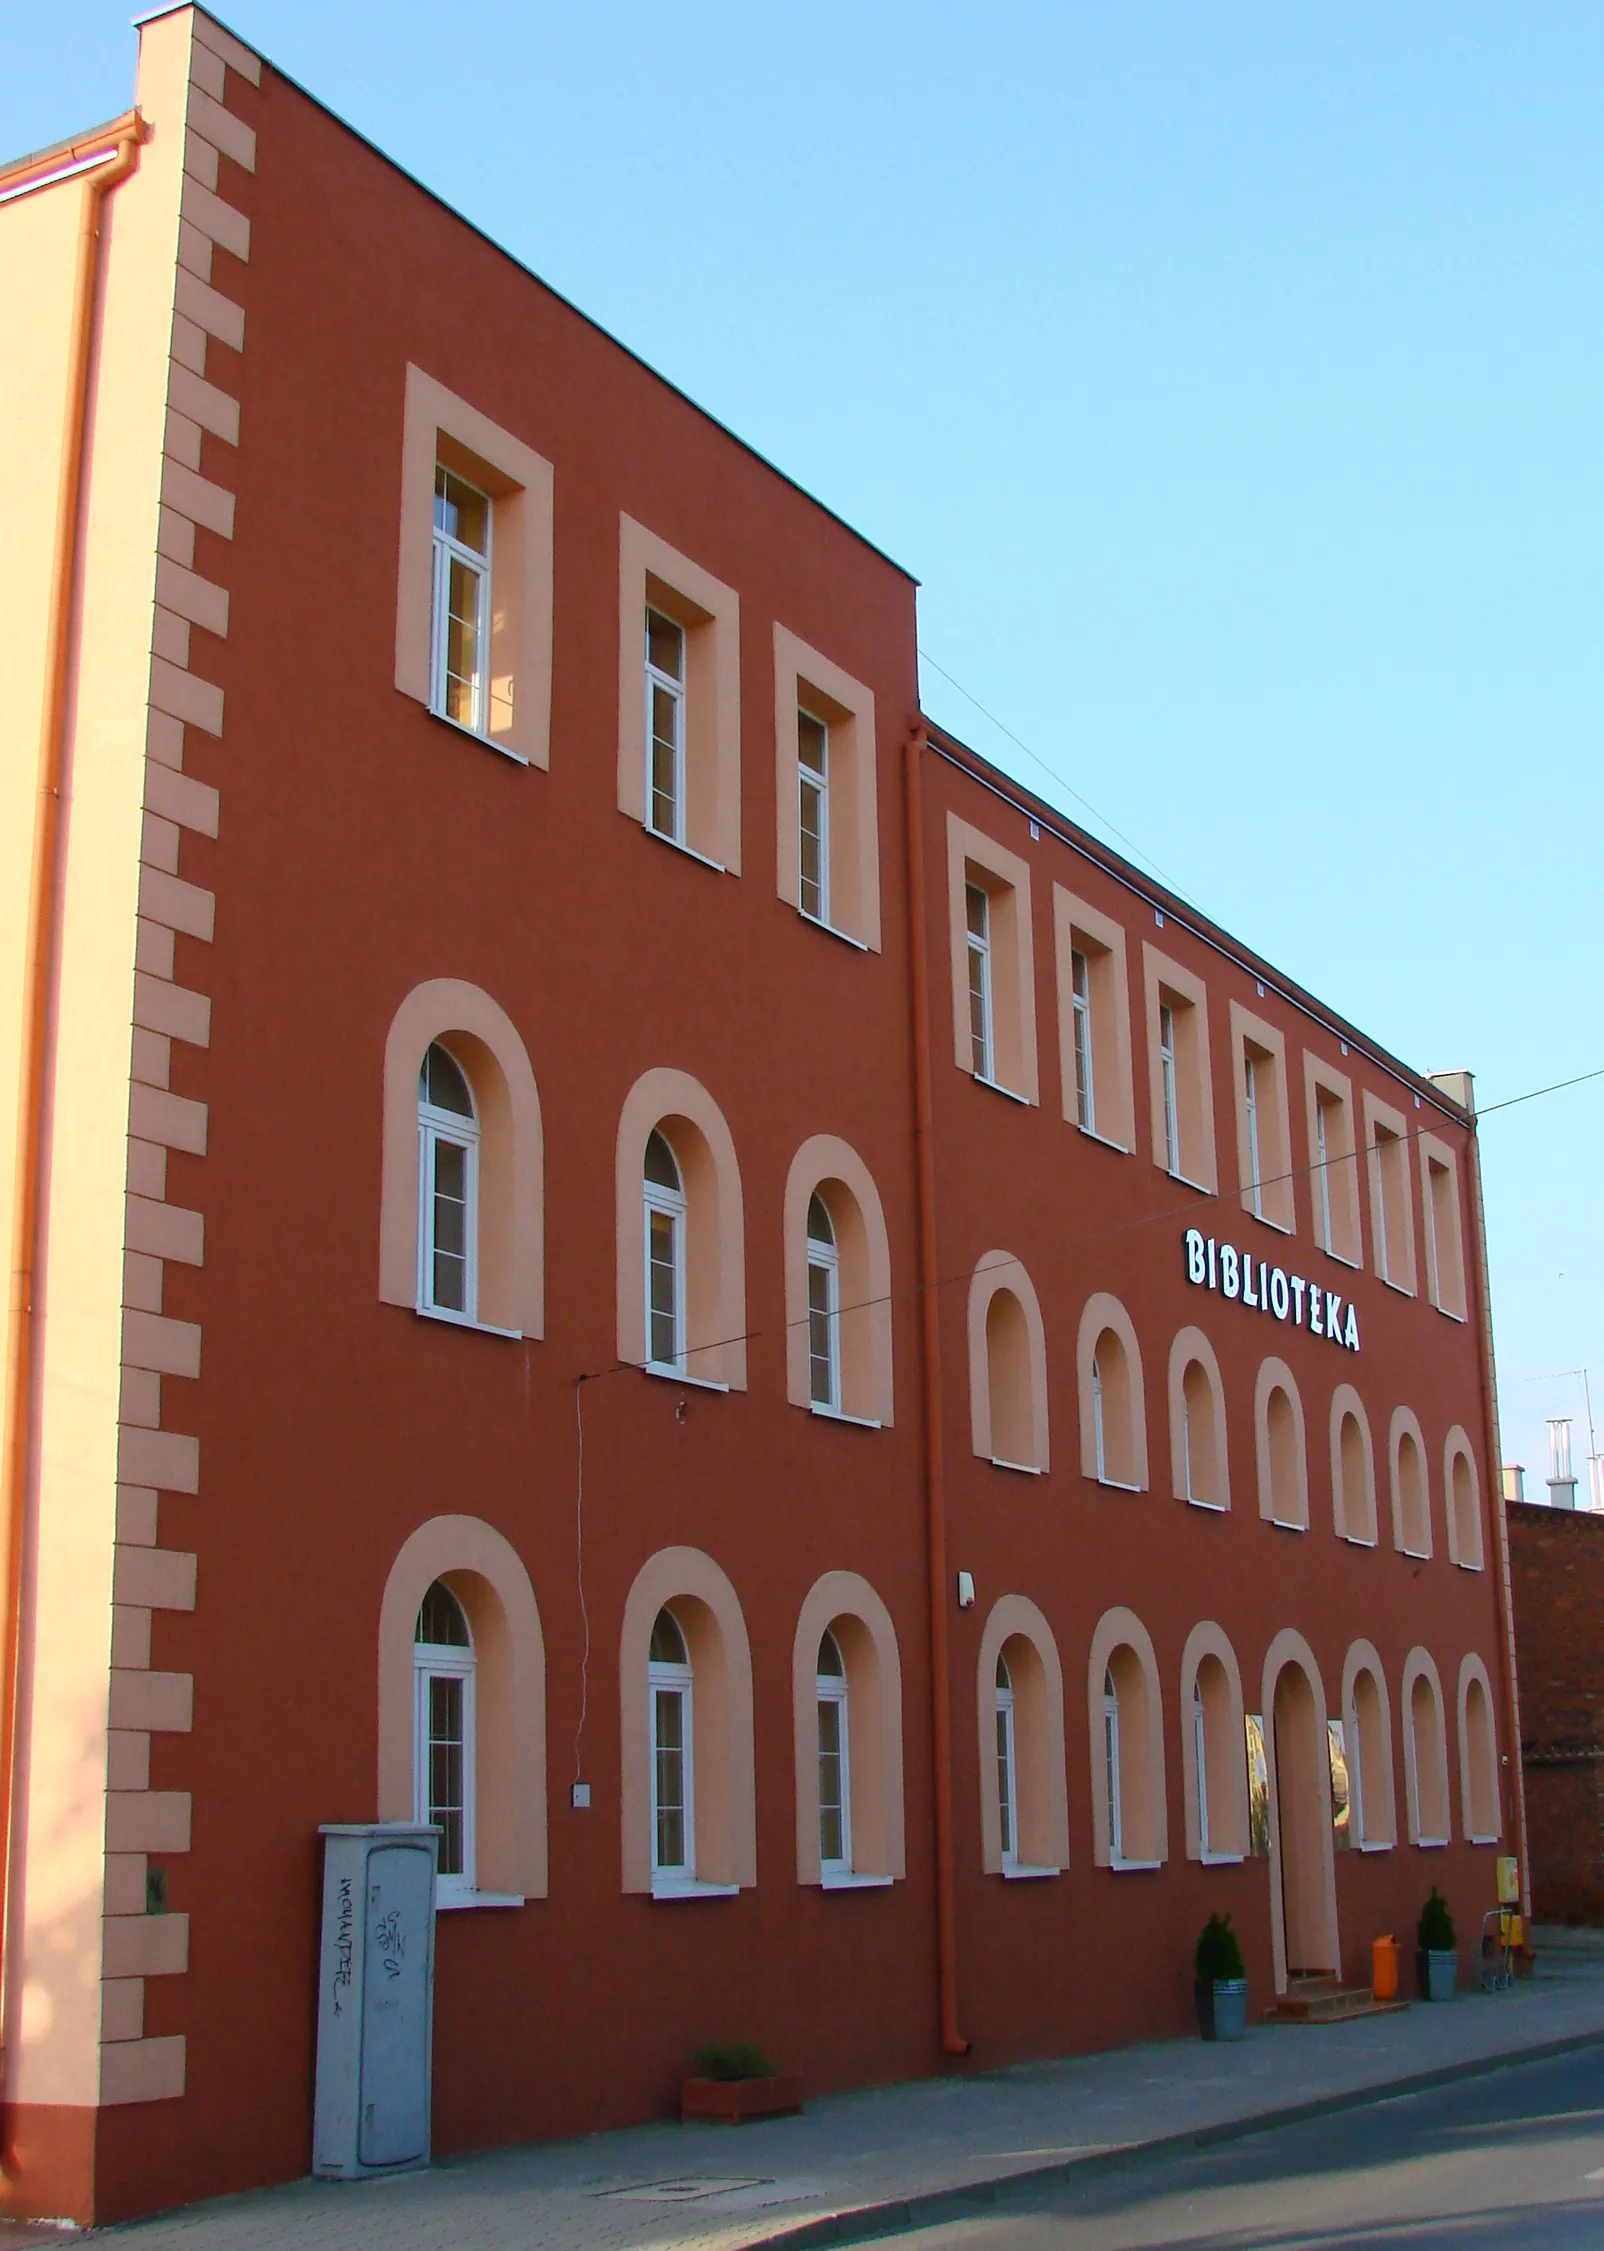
(687, 2189)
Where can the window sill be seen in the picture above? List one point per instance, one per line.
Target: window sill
(1403, 1289)
(830, 930)
(461, 1321)
(1341, 1258)
(1462, 1565)
(1485, 1841)
(996, 1087)
(1134, 1867)
(1432, 1844)
(663, 1888)
(1184, 1180)
(666, 1374)
(450, 1902)
(839, 1415)
(1276, 1226)
(1213, 1508)
(658, 836)
(1024, 1871)
(1448, 1313)
(487, 742)
(1286, 1524)
(1090, 1133)
(1221, 1859)
(852, 1879)
(1379, 1844)
(1355, 1540)
(1416, 1555)
(1020, 1469)
(1117, 1485)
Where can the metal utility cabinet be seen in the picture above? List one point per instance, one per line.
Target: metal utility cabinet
(375, 2015)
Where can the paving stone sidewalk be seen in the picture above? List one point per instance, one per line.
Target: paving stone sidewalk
(707, 2188)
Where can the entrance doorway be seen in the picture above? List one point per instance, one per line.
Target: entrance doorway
(1301, 1827)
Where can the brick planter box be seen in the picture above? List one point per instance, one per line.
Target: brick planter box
(733, 2102)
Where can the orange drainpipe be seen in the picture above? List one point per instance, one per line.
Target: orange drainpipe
(47, 879)
(1501, 1577)
(952, 2040)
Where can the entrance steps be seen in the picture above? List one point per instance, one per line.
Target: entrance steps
(1319, 1999)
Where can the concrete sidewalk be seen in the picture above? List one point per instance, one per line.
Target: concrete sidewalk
(855, 2164)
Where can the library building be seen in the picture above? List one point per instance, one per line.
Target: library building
(631, 1269)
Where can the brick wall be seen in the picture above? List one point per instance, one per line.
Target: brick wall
(1557, 1570)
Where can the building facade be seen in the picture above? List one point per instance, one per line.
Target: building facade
(1557, 1577)
(622, 1247)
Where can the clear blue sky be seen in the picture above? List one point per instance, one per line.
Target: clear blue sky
(1230, 375)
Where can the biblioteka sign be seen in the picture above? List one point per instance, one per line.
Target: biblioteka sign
(1213, 1265)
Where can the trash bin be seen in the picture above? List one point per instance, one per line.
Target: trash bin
(1384, 1968)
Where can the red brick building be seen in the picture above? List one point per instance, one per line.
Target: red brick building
(1556, 1559)
(622, 1248)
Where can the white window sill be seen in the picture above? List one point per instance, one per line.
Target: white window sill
(1120, 1148)
(1134, 1867)
(661, 837)
(1432, 1844)
(1214, 1508)
(1416, 1555)
(1462, 1565)
(1117, 1485)
(839, 1415)
(447, 1901)
(667, 1887)
(1341, 1258)
(1487, 1841)
(1355, 1540)
(1277, 1226)
(1378, 1844)
(1020, 1469)
(1404, 1289)
(1024, 1871)
(830, 930)
(488, 742)
(1448, 1313)
(1221, 1859)
(1184, 1180)
(853, 1879)
(997, 1087)
(1286, 1524)
(461, 1321)
(669, 1374)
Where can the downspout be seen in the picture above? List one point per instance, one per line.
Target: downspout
(1462, 1087)
(952, 2040)
(46, 885)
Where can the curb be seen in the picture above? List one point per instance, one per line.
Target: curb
(897, 2215)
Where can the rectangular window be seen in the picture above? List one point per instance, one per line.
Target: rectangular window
(672, 1850)
(1005, 1779)
(1094, 1021)
(1200, 1757)
(1116, 1815)
(448, 1192)
(461, 645)
(1255, 1159)
(1334, 1163)
(1263, 1121)
(1180, 1090)
(665, 726)
(665, 1286)
(1392, 1226)
(813, 815)
(835, 1810)
(1081, 1011)
(977, 910)
(443, 1763)
(824, 1329)
(1445, 1260)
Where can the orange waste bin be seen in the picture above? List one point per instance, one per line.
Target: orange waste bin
(1384, 1968)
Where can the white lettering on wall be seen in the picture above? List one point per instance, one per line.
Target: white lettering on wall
(1213, 1265)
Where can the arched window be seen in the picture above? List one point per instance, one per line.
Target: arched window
(824, 1308)
(443, 1735)
(1353, 1471)
(1282, 1458)
(1197, 1423)
(1367, 1741)
(448, 1188)
(1007, 1768)
(1462, 1498)
(1127, 1744)
(1007, 1366)
(1426, 1751)
(1478, 1755)
(665, 1257)
(835, 1769)
(1411, 1496)
(1113, 1415)
(673, 1738)
(1214, 1732)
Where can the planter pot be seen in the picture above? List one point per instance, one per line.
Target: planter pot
(1438, 1974)
(1222, 2007)
(733, 2102)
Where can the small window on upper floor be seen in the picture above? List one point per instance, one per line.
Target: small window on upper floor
(1264, 1141)
(665, 726)
(1334, 1163)
(824, 1308)
(993, 968)
(1439, 1197)
(813, 814)
(1094, 1025)
(448, 1188)
(666, 1219)
(828, 851)
(679, 691)
(835, 1760)
(1392, 1218)
(1178, 1072)
(459, 671)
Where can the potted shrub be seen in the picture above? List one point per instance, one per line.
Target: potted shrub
(1220, 1982)
(735, 2083)
(1437, 1962)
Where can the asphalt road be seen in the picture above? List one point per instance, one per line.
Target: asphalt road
(1510, 2162)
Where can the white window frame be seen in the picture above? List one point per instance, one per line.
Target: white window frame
(441, 1661)
(824, 1260)
(814, 782)
(982, 1044)
(1322, 1156)
(832, 1689)
(434, 1127)
(1007, 1774)
(1379, 1136)
(1099, 1445)
(1250, 1097)
(673, 1680)
(1168, 1091)
(655, 679)
(1080, 983)
(446, 551)
(1200, 1759)
(1116, 1811)
(670, 1204)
